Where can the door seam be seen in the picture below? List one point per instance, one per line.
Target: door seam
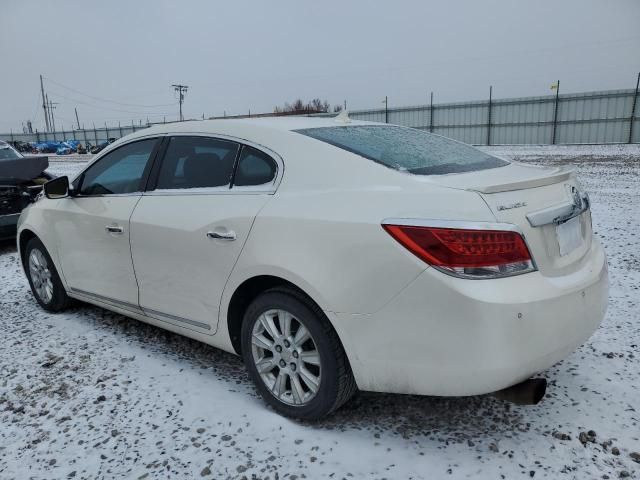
(224, 289)
(133, 265)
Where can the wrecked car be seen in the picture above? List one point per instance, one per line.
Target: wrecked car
(21, 180)
(101, 146)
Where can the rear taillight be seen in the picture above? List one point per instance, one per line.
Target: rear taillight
(468, 253)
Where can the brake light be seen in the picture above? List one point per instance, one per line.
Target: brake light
(467, 253)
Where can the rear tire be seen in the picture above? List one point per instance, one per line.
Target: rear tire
(43, 277)
(294, 356)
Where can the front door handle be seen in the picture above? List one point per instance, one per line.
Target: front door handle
(228, 235)
(114, 229)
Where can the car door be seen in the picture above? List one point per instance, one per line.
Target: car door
(92, 226)
(187, 233)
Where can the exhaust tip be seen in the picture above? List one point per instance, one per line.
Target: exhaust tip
(529, 392)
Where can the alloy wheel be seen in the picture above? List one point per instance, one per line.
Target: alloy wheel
(286, 357)
(40, 275)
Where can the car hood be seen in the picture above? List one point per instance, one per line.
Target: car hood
(19, 170)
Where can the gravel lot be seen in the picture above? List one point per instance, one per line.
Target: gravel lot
(92, 394)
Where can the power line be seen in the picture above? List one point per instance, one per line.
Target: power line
(181, 89)
(100, 99)
(102, 107)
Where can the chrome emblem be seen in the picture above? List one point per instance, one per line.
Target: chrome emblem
(577, 199)
(580, 201)
(512, 206)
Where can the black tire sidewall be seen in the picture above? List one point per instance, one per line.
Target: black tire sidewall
(59, 297)
(325, 400)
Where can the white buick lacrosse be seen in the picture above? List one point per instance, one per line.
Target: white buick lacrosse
(332, 255)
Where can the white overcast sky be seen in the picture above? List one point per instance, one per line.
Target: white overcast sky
(115, 60)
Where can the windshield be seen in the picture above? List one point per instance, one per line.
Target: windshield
(8, 153)
(406, 149)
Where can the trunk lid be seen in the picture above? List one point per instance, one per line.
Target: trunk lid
(540, 201)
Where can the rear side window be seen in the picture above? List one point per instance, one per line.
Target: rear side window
(254, 168)
(197, 162)
(406, 149)
(119, 171)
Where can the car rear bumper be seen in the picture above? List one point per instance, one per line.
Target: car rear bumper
(448, 336)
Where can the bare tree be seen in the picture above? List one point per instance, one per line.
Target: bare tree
(299, 106)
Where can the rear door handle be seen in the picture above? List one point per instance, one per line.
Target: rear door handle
(229, 235)
(114, 229)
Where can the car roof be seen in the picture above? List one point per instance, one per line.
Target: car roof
(231, 125)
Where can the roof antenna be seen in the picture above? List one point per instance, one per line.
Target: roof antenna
(343, 117)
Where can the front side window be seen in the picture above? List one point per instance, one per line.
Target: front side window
(254, 168)
(119, 171)
(406, 149)
(197, 162)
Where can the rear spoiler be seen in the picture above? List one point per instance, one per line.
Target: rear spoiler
(541, 181)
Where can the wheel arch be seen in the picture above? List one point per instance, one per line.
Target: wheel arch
(247, 291)
(26, 233)
(23, 238)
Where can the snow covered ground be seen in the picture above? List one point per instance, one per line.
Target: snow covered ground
(92, 394)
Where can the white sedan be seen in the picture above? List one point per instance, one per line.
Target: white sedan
(333, 255)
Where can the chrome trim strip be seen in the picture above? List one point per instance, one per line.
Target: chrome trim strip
(559, 213)
(467, 224)
(109, 195)
(204, 191)
(136, 309)
(108, 300)
(269, 188)
(155, 314)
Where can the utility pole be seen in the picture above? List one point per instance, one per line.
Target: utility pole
(633, 109)
(489, 116)
(555, 87)
(386, 109)
(77, 118)
(431, 114)
(51, 109)
(46, 96)
(181, 89)
(44, 105)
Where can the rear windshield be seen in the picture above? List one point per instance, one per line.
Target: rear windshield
(406, 149)
(8, 153)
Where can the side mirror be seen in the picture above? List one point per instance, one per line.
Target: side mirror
(57, 188)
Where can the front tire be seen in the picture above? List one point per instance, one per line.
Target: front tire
(294, 356)
(43, 277)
